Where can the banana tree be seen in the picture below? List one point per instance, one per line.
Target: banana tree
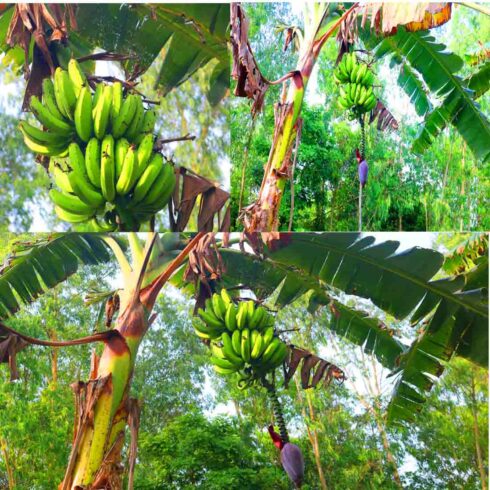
(428, 74)
(449, 312)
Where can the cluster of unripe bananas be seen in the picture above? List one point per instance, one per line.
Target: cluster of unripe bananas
(242, 337)
(356, 85)
(101, 149)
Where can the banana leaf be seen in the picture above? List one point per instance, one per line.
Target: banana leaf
(33, 268)
(451, 329)
(438, 68)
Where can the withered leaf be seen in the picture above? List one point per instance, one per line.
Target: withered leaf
(314, 369)
(10, 345)
(250, 81)
(181, 206)
(386, 120)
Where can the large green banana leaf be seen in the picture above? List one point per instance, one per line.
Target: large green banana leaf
(419, 51)
(33, 268)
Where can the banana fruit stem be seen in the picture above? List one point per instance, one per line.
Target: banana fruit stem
(277, 409)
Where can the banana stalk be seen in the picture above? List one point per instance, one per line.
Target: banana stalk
(263, 215)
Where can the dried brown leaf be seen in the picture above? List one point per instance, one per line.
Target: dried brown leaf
(188, 189)
(314, 369)
(385, 118)
(250, 81)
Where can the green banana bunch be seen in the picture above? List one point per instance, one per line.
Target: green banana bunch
(260, 351)
(240, 336)
(107, 139)
(356, 85)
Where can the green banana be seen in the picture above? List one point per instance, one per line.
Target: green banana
(357, 94)
(277, 357)
(149, 121)
(42, 137)
(268, 336)
(229, 351)
(257, 347)
(49, 99)
(49, 120)
(106, 227)
(161, 189)
(137, 121)
(60, 177)
(210, 319)
(250, 311)
(219, 308)
(245, 345)
(221, 370)
(85, 191)
(128, 176)
(117, 100)
(64, 93)
(145, 150)
(107, 168)
(206, 330)
(92, 161)
(360, 73)
(349, 63)
(147, 178)
(225, 297)
(77, 76)
(76, 159)
(70, 203)
(202, 335)
(122, 147)
(83, 114)
(241, 317)
(43, 149)
(230, 317)
(257, 316)
(223, 363)
(65, 215)
(236, 342)
(99, 90)
(125, 116)
(102, 112)
(268, 353)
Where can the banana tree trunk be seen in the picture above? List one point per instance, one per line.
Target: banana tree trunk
(263, 215)
(103, 406)
(97, 461)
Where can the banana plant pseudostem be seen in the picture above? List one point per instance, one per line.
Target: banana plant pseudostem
(263, 215)
(103, 406)
(98, 444)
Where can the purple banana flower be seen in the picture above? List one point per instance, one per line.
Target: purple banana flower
(363, 172)
(362, 168)
(293, 463)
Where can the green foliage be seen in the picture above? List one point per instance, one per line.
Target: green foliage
(22, 181)
(462, 393)
(195, 451)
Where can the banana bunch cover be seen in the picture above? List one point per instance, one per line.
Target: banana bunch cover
(242, 337)
(101, 152)
(356, 85)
